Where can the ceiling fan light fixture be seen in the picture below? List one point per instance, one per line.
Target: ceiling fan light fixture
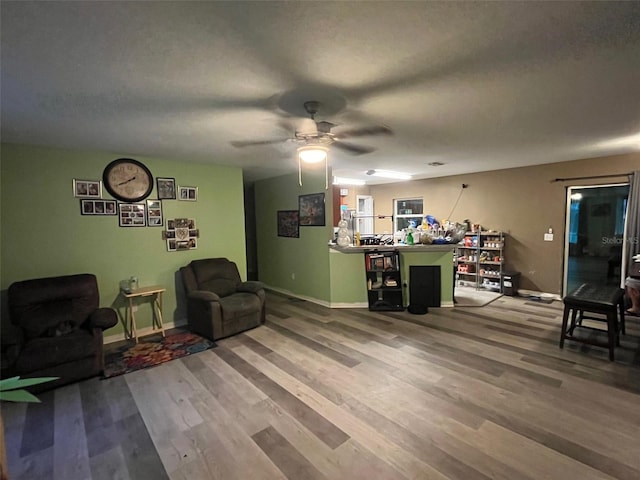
(389, 174)
(313, 153)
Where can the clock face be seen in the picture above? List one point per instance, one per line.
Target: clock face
(128, 180)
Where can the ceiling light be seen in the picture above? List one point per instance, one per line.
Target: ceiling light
(389, 174)
(576, 196)
(347, 181)
(312, 153)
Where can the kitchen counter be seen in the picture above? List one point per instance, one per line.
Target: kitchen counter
(348, 277)
(449, 247)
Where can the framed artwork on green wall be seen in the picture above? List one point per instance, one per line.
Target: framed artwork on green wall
(189, 194)
(97, 207)
(288, 223)
(166, 188)
(132, 215)
(87, 188)
(311, 210)
(154, 213)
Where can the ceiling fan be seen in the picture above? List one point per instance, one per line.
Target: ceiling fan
(312, 132)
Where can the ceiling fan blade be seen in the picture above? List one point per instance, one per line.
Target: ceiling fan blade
(362, 131)
(249, 143)
(351, 148)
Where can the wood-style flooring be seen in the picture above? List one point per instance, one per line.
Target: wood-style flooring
(315, 393)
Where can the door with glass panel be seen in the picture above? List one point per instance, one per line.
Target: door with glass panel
(364, 214)
(594, 235)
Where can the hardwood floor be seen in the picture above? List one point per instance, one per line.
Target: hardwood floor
(463, 393)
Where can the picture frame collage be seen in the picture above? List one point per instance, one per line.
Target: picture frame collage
(132, 215)
(180, 234)
(310, 213)
(97, 207)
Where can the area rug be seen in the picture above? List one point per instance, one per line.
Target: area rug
(470, 297)
(153, 351)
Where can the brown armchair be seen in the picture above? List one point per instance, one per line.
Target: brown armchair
(219, 304)
(60, 326)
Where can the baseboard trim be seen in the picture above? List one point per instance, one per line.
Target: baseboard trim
(335, 304)
(318, 301)
(350, 305)
(118, 337)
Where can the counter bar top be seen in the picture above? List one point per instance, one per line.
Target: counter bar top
(448, 247)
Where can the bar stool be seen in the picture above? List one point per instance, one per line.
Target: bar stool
(604, 300)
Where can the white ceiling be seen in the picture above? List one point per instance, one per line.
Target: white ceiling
(477, 86)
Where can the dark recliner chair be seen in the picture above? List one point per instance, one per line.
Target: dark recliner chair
(219, 304)
(61, 326)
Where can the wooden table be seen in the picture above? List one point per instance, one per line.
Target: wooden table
(154, 291)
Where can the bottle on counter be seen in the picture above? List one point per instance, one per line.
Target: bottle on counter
(409, 239)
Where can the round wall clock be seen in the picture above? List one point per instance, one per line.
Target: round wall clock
(127, 180)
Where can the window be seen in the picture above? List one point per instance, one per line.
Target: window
(405, 210)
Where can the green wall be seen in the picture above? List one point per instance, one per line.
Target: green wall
(43, 233)
(298, 266)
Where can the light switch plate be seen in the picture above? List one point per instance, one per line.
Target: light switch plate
(548, 237)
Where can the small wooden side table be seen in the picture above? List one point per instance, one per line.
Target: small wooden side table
(156, 306)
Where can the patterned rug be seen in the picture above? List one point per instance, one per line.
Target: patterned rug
(152, 351)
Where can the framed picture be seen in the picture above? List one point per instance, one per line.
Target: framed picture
(166, 188)
(132, 215)
(154, 213)
(181, 234)
(311, 210)
(87, 188)
(188, 193)
(288, 223)
(97, 207)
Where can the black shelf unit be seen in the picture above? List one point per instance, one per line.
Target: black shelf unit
(384, 281)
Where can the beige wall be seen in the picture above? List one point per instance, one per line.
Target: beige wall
(354, 191)
(522, 202)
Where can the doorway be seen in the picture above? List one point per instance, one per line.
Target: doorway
(364, 214)
(594, 235)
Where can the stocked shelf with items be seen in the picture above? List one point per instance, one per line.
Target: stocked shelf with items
(479, 260)
(384, 282)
